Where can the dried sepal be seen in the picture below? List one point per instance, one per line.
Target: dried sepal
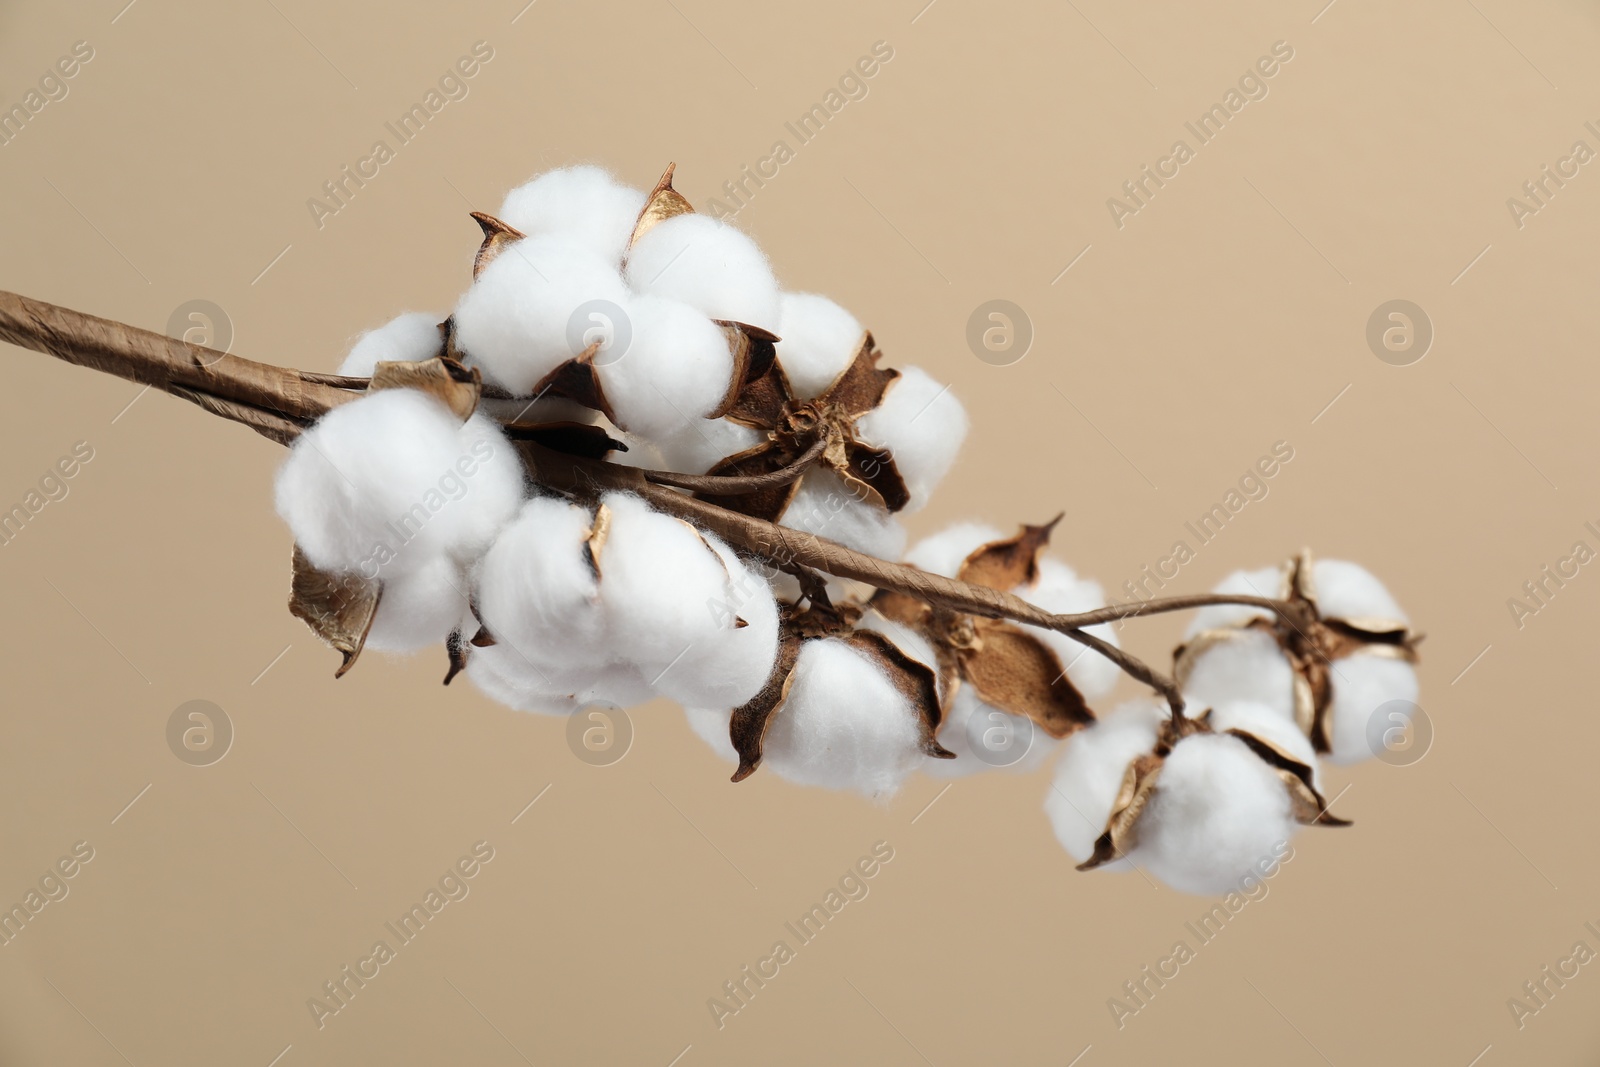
(767, 504)
(754, 352)
(747, 726)
(496, 236)
(860, 386)
(458, 387)
(663, 203)
(578, 381)
(457, 648)
(571, 438)
(594, 542)
(1011, 562)
(339, 608)
(1121, 834)
(1016, 672)
(915, 681)
(1307, 802)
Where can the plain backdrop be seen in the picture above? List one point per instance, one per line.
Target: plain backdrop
(1227, 314)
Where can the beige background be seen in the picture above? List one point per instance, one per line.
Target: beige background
(1224, 317)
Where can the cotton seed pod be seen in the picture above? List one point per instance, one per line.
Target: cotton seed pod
(584, 205)
(1196, 804)
(1355, 654)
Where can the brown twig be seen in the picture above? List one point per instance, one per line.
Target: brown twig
(278, 402)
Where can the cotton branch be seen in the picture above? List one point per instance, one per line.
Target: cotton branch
(280, 402)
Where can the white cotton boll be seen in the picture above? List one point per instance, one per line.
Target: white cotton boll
(382, 482)
(1059, 590)
(538, 596)
(728, 666)
(513, 323)
(674, 372)
(1087, 780)
(503, 676)
(945, 552)
(823, 506)
(1267, 582)
(922, 425)
(1349, 591)
(708, 265)
(583, 204)
(420, 607)
(904, 638)
(1249, 666)
(700, 444)
(844, 724)
(1217, 812)
(1271, 727)
(406, 338)
(1010, 742)
(1362, 683)
(711, 726)
(820, 338)
(660, 582)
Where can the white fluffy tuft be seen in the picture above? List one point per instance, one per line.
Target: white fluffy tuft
(1250, 666)
(1362, 683)
(824, 506)
(585, 205)
(1266, 581)
(1349, 591)
(405, 338)
(419, 607)
(922, 425)
(819, 340)
(1089, 776)
(675, 371)
(708, 265)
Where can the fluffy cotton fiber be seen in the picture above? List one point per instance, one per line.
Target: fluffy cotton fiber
(406, 338)
(922, 425)
(676, 369)
(1249, 665)
(585, 205)
(1089, 776)
(820, 338)
(844, 724)
(514, 322)
(1363, 683)
(419, 607)
(708, 265)
(393, 480)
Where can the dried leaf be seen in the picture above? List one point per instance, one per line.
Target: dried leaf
(339, 608)
(1309, 805)
(754, 354)
(1006, 564)
(859, 387)
(496, 236)
(457, 648)
(916, 682)
(766, 504)
(663, 203)
(577, 380)
(747, 726)
(764, 401)
(1121, 834)
(1018, 673)
(594, 542)
(873, 471)
(458, 387)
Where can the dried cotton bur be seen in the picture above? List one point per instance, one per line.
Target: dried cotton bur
(628, 465)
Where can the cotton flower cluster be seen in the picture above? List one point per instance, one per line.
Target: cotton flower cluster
(1201, 801)
(611, 324)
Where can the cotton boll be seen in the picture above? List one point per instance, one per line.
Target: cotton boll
(1349, 591)
(584, 204)
(708, 265)
(1249, 666)
(1218, 810)
(674, 372)
(730, 665)
(1007, 742)
(824, 506)
(381, 482)
(1060, 591)
(711, 726)
(514, 321)
(503, 676)
(922, 425)
(700, 444)
(420, 607)
(944, 552)
(1362, 683)
(538, 596)
(844, 724)
(820, 338)
(1267, 582)
(406, 338)
(1270, 726)
(660, 584)
(1093, 763)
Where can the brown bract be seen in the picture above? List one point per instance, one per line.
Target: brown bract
(339, 608)
(497, 236)
(1008, 667)
(441, 377)
(793, 426)
(1141, 783)
(1311, 644)
(663, 203)
(747, 726)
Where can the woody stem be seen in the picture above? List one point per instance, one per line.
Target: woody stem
(280, 402)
